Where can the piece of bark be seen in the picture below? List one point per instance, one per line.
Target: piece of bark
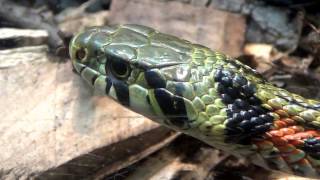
(109, 159)
(274, 25)
(311, 43)
(74, 12)
(238, 6)
(12, 37)
(200, 2)
(29, 18)
(187, 159)
(219, 30)
(74, 24)
(50, 116)
(258, 50)
(12, 57)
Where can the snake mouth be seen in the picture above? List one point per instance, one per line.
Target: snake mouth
(133, 96)
(102, 84)
(88, 74)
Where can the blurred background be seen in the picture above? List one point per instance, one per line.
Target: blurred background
(53, 126)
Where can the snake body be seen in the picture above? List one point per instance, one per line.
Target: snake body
(202, 93)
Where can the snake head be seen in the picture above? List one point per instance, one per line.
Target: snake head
(138, 67)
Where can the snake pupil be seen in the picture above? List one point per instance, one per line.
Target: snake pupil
(119, 69)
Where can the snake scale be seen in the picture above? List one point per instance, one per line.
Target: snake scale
(203, 93)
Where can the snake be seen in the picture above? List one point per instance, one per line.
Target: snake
(203, 93)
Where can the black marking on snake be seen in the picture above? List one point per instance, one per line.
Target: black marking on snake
(148, 99)
(108, 85)
(173, 107)
(246, 118)
(122, 91)
(248, 70)
(312, 147)
(94, 79)
(146, 66)
(154, 79)
(82, 68)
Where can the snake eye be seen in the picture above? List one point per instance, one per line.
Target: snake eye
(81, 54)
(119, 69)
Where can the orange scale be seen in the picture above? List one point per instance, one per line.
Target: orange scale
(296, 143)
(277, 133)
(287, 131)
(304, 162)
(279, 141)
(279, 124)
(308, 135)
(297, 128)
(313, 133)
(302, 135)
(291, 137)
(289, 121)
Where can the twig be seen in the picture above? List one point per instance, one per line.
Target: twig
(72, 13)
(29, 18)
(314, 27)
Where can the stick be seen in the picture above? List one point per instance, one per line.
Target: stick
(29, 18)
